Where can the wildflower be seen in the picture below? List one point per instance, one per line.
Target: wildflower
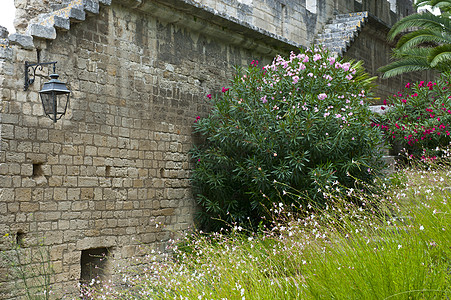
(408, 85)
(322, 96)
(224, 89)
(349, 77)
(316, 57)
(421, 227)
(264, 100)
(209, 96)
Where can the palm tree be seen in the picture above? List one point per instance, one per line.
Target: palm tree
(427, 47)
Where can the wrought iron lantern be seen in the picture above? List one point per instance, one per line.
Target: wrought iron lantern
(54, 94)
(55, 98)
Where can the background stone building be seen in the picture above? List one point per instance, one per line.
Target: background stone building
(114, 172)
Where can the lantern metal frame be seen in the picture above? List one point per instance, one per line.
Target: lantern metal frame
(30, 71)
(51, 91)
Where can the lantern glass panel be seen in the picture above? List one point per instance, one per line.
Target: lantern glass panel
(48, 103)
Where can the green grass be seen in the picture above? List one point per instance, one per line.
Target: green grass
(394, 246)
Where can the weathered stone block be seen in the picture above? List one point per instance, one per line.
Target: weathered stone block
(41, 31)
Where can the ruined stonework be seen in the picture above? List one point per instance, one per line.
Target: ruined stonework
(113, 174)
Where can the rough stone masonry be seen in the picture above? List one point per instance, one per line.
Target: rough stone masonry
(113, 173)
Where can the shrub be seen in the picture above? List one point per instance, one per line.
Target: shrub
(419, 117)
(300, 122)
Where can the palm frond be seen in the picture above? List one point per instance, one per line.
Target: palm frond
(422, 36)
(440, 57)
(424, 20)
(404, 66)
(420, 52)
(443, 5)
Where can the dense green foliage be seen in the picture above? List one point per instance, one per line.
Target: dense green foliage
(302, 122)
(426, 43)
(419, 117)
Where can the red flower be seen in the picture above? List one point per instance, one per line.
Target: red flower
(224, 89)
(209, 96)
(408, 85)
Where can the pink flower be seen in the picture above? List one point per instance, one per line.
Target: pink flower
(385, 102)
(254, 63)
(349, 77)
(209, 96)
(322, 96)
(421, 84)
(404, 101)
(316, 57)
(408, 85)
(295, 79)
(331, 60)
(224, 89)
(264, 100)
(346, 66)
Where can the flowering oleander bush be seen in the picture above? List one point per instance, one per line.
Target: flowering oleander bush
(301, 121)
(419, 117)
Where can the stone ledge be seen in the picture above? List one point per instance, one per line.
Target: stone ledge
(227, 27)
(91, 6)
(41, 31)
(22, 40)
(44, 25)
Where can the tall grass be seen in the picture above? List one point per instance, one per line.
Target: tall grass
(396, 245)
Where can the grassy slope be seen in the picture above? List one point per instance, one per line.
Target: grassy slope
(400, 249)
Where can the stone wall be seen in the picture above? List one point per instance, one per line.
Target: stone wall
(114, 172)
